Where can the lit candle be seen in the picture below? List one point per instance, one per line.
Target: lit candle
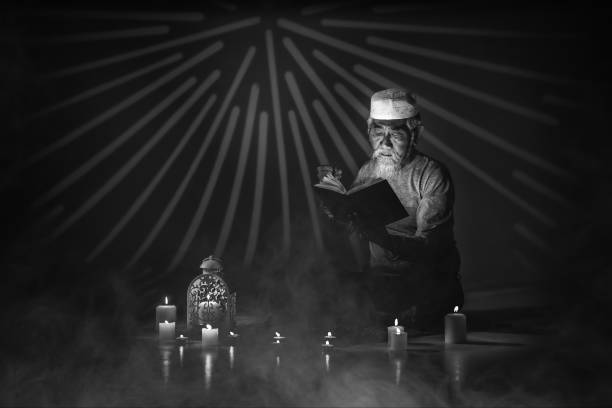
(391, 330)
(165, 312)
(454, 327)
(210, 336)
(166, 331)
(398, 340)
(277, 338)
(182, 339)
(329, 336)
(232, 338)
(327, 345)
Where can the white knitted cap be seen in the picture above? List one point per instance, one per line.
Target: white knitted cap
(393, 103)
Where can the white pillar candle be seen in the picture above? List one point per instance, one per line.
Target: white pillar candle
(398, 340)
(393, 329)
(165, 312)
(455, 327)
(210, 336)
(166, 331)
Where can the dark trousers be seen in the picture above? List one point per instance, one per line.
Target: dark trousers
(420, 295)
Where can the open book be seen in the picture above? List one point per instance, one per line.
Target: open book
(374, 202)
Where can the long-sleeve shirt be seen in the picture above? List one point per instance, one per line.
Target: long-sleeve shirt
(426, 236)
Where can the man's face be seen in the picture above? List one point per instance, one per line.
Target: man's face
(390, 140)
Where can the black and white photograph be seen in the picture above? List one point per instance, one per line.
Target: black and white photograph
(314, 204)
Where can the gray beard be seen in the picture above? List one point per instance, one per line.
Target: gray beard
(385, 169)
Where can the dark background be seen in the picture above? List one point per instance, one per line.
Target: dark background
(510, 258)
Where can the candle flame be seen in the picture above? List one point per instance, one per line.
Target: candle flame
(278, 341)
(166, 322)
(327, 342)
(231, 333)
(397, 331)
(329, 334)
(181, 336)
(456, 309)
(277, 334)
(166, 299)
(208, 326)
(395, 322)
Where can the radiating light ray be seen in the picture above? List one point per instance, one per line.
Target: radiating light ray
(107, 85)
(419, 73)
(487, 179)
(197, 218)
(535, 240)
(525, 262)
(541, 188)
(327, 95)
(154, 48)
(346, 75)
(280, 142)
(306, 119)
(243, 157)
(427, 29)
(461, 60)
(119, 175)
(352, 101)
(118, 15)
(259, 189)
(336, 138)
(210, 186)
(470, 127)
(110, 148)
(295, 131)
(558, 101)
(125, 103)
(323, 7)
(146, 193)
(103, 35)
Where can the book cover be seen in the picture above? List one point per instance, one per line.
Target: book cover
(375, 203)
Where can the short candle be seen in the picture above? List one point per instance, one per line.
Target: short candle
(210, 336)
(182, 339)
(327, 344)
(398, 340)
(166, 331)
(329, 336)
(392, 330)
(455, 327)
(165, 312)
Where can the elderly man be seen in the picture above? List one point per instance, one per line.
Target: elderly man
(414, 262)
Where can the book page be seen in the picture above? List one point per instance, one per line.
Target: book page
(331, 183)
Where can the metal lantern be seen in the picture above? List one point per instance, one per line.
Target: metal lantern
(209, 300)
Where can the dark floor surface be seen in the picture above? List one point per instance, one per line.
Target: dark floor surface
(492, 369)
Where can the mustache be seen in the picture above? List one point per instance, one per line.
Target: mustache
(379, 152)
